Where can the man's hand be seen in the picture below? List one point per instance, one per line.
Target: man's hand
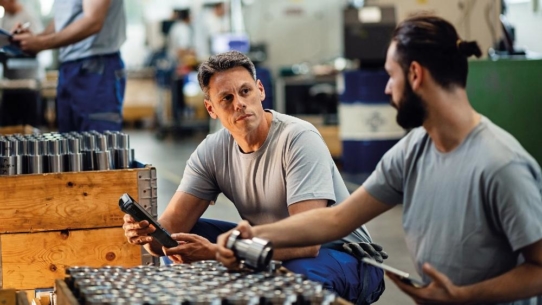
(191, 248)
(225, 255)
(30, 43)
(137, 233)
(440, 291)
(361, 250)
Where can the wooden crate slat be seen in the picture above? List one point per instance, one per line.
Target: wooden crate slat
(35, 260)
(32, 203)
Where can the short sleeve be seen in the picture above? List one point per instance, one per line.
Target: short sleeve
(199, 178)
(308, 168)
(516, 203)
(386, 182)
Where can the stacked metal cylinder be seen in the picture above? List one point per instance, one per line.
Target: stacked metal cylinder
(201, 283)
(67, 152)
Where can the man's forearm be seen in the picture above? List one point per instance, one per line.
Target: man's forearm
(50, 29)
(306, 234)
(522, 282)
(291, 253)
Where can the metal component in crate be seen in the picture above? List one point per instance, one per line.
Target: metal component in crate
(66, 152)
(205, 282)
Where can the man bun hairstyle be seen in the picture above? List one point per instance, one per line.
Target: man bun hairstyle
(434, 43)
(222, 62)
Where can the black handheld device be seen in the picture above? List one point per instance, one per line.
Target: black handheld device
(129, 206)
(404, 276)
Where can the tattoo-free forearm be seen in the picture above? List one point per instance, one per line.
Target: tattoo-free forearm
(522, 282)
(299, 252)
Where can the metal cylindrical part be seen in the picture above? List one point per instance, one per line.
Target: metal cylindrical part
(34, 164)
(54, 147)
(112, 141)
(74, 146)
(63, 145)
(101, 142)
(19, 164)
(89, 160)
(75, 162)
(90, 142)
(55, 163)
(5, 148)
(123, 158)
(8, 165)
(103, 160)
(123, 141)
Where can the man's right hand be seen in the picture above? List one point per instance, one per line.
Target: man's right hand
(225, 255)
(137, 233)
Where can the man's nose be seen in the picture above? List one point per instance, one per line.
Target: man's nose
(240, 103)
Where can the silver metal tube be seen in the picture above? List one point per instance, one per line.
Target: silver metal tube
(103, 160)
(8, 166)
(75, 162)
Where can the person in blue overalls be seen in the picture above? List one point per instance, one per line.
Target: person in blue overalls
(92, 79)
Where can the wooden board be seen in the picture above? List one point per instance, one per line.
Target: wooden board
(24, 129)
(47, 202)
(35, 260)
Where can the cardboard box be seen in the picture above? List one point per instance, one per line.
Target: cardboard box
(49, 222)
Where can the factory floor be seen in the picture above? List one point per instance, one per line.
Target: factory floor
(169, 156)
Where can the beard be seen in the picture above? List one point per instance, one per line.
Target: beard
(411, 111)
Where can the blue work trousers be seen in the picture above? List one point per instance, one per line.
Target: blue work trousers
(338, 271)
(90, 94)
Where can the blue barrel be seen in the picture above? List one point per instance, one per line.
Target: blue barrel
(264, 75)
(367, 124)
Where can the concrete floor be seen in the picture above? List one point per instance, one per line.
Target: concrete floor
(169, 156)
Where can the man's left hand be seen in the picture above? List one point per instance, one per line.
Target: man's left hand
(191, 248)
(370, 250)
(30, 43)
(440, 291)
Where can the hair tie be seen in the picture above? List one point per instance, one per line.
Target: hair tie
(458, 42)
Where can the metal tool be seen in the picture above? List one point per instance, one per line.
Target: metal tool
(256, 252)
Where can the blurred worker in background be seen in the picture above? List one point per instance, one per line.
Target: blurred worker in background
(212, 20)
(92, 78)
(16, 13)
(181, 40)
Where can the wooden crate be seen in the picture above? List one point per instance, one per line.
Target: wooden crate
(13, 297)
(24, 129)
(49, 222)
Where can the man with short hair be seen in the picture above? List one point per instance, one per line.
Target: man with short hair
(271, 166)
(471, 195)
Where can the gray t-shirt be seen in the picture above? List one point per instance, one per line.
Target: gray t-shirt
(469, 211)
(292, 165)
(107, 41)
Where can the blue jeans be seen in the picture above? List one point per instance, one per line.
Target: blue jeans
(90, 94)
(338, 271)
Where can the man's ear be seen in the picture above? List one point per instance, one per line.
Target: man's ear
(261, 89)
(210, 109)
(416, 75)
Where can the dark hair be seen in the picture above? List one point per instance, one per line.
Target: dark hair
(220, 63)
(434, 43)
